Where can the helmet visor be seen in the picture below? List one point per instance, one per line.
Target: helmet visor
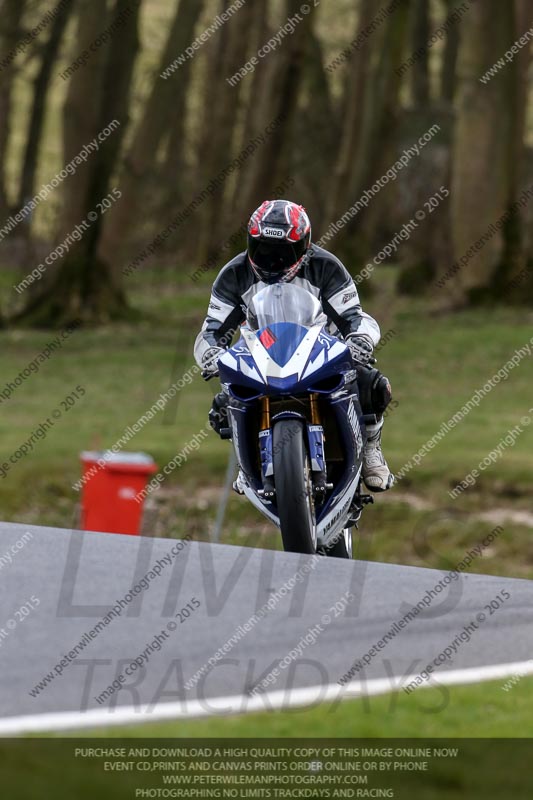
(276, 258)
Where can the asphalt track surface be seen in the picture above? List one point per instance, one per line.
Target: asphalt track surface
(77, 577)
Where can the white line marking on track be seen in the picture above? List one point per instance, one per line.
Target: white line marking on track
(245, 704)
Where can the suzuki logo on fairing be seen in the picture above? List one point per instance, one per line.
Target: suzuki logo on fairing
(274, 233)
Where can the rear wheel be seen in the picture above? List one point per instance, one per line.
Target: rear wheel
(294, 487)
(342, 548)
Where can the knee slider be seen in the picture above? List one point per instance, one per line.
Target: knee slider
(218, 415)
(374, 391)
(381, 393)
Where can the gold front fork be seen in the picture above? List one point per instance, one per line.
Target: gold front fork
(265, 413)
(315, 415)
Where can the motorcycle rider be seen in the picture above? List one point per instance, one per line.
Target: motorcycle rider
(279, 249)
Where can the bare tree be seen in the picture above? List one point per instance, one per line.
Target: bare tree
(373, 145)
(310, 163)
(40, 93)
(342, 177)
(84, 285)
(221, 116)
(259, 33)
(420, 33)
(381, 105)
(282, 79)
(164, 108)
(514, 256)
(80, 117)
(483, 181)
(11, 12)
(448, 76)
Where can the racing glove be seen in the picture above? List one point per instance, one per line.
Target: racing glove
(361, 348)
(210, 362)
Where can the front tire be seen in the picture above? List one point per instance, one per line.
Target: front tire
(294, 488)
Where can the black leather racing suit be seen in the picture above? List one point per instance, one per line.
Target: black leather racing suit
(326, 278)
(322, 274)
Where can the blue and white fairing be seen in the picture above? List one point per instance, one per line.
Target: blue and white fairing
(284, 350)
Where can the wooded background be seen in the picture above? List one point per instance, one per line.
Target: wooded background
(320, 119)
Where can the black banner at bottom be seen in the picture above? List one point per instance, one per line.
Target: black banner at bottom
(406, 769)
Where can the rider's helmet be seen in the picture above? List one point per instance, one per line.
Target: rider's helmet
(279, 235)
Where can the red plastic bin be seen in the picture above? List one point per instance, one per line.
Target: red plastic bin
(111, 482)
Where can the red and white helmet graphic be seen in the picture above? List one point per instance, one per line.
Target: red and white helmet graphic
(279, 235)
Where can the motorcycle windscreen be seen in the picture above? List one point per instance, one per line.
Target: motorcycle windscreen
(284, 302)
(280, 316)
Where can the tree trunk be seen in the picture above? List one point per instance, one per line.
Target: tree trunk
(81, 117)
(10, 33)
(482, 179)
(419, 39)
(252, 109)
(222, 117)
(84, 286)
(448, 76)
(514, 257)
(317, 133)
(165, 105)
(40, 93)
(376, 139)
(381, 105)
(181, 185)
(280, 93)
(356, 85)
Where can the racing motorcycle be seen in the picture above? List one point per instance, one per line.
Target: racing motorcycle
(295, 421)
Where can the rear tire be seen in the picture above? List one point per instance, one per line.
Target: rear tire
(294, 489)
(342, 547)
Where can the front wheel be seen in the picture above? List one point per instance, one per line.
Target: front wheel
(294, 488)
